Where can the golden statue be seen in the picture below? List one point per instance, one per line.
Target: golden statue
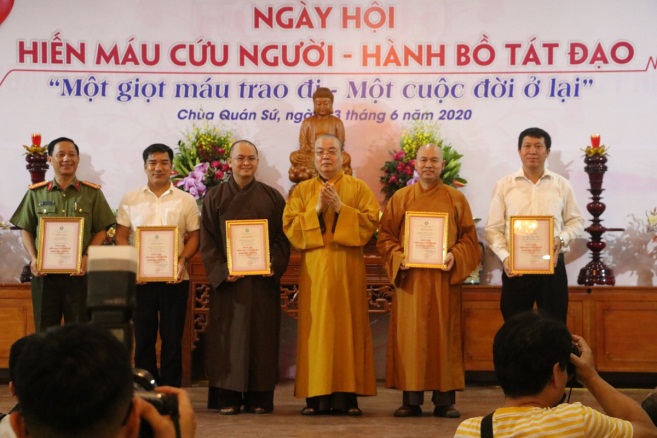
(321, 122)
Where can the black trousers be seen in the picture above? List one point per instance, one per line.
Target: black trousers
(160, 306)
(342, 401)
(222, 398)
(57, 295)
(549, 292)
(439, 398)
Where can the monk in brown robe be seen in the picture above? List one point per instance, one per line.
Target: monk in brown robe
(242, 337)
(321, 122)
(329, 219)
(424, 342)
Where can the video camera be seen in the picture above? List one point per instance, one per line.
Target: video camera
(111, 287)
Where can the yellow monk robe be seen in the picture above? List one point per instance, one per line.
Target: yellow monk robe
(334, 343)
(425, 349)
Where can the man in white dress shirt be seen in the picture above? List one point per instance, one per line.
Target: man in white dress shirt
(158, 304)
(534, 191)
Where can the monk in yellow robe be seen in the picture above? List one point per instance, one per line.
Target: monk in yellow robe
(329, 219)
(425, 350)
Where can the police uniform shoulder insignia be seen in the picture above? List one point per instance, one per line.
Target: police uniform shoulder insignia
(39, 184)
(90, 184)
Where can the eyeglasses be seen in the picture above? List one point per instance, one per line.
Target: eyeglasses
(242, 158)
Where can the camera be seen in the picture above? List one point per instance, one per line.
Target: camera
(112, 272)
(570, 367)
(166, 404)
(144, 383)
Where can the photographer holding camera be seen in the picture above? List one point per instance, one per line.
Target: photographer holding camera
(531, 354)
(76, 381)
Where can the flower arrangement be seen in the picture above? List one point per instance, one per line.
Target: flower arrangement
(596, 148)
(400, 171)
(36, 147)
(201, 160)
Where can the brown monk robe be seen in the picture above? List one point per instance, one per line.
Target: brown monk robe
(242, 337)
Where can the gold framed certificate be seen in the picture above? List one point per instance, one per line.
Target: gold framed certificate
(60, 245)
(425, 239)
(247, 247)
(157, 253)
(532, 239)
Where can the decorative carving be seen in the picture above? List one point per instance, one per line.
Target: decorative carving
(200, 303)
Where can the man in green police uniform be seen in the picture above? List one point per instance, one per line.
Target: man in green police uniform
(54, 295)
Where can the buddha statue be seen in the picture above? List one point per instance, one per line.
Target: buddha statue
(321, 122)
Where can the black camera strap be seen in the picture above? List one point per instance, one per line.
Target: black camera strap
(487, 426)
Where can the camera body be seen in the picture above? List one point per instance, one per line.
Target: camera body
(144, 383)
(166, 404)
(570, 368)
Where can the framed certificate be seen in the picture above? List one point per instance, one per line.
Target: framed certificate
(425, 239)
(247, 247)
(157, 252)
(60, 245)
(531, 244)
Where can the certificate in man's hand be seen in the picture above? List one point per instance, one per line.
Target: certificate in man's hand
(60, 245)
(157, 249)
(532, 239)
(247, 247)
(425, 239)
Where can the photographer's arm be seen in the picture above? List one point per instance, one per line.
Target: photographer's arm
(162, 425)
(612, 401)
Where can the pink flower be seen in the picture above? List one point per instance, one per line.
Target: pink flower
(225, 167)
(221, 151)
(393, 180)
(216, 164)
(218, 175)
(400, 167)
(398, 155)
(408, 170)
(413, 180)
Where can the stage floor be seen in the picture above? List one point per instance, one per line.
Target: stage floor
(377, 420)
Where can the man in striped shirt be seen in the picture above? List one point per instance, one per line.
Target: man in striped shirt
(531, 353)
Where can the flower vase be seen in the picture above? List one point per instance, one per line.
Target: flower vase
(37, 165)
